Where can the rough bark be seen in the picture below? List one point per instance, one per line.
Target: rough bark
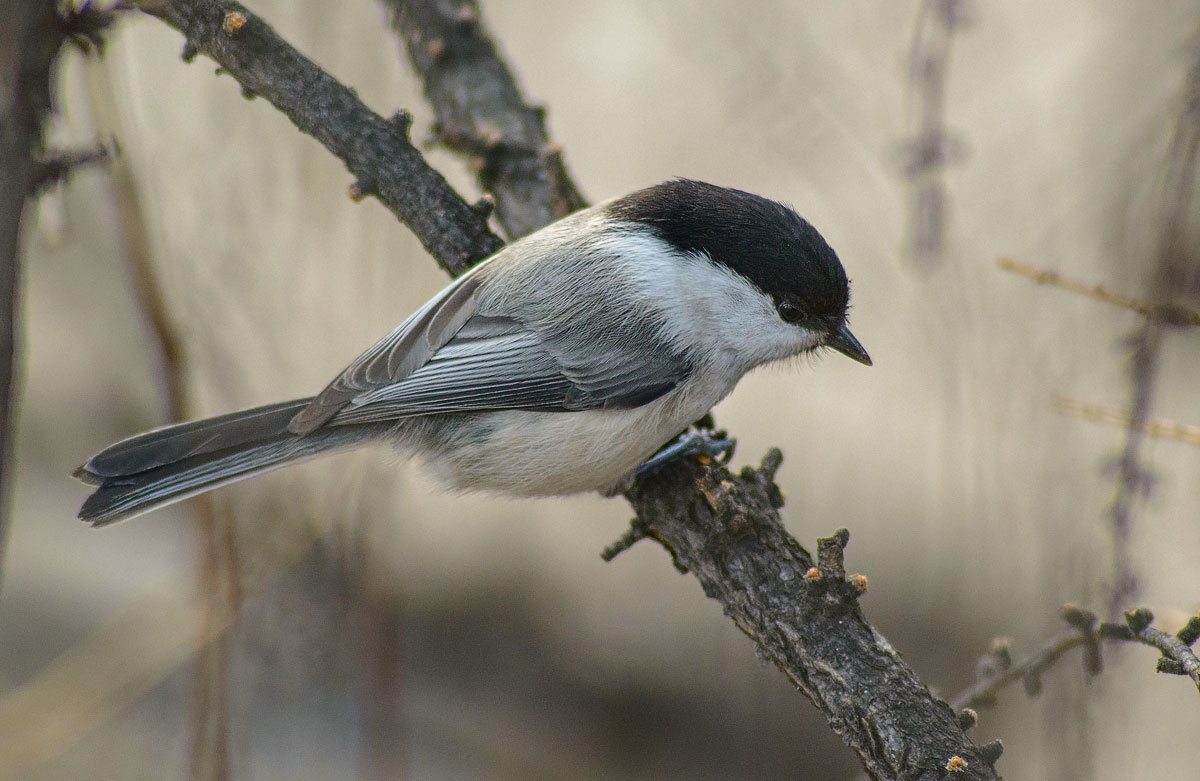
(481, 113)
(803, 615)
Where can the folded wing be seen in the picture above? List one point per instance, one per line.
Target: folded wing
(496, 363)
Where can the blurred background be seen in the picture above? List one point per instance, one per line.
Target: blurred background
(392, 631)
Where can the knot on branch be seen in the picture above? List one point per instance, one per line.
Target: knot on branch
(991, 752)
(484, 206)
(233, 21)
(831, 554)
(401, 123)
(362, 187)
(1138, 619)
(830, 573)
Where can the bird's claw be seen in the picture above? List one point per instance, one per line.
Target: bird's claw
(705, 445)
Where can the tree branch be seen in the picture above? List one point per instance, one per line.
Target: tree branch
(806, 628)
(725, 529)
(376, 150)
(30, 39)
(804, 616)
(998, 671)
(481, 114)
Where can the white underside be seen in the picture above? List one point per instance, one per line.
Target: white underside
(556, 453)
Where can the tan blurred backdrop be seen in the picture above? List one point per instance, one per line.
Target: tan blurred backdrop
(975, 509)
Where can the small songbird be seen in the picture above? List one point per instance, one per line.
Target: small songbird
(557, 366)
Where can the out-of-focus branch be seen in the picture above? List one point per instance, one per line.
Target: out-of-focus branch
(218, 568)
(1155, 428)
(997, 670)
(31, 36)
(930, 146)
(1177, 270)
(482, 115)
(29, 40)
(804, 616)
(376, 150)
(1172, 313)
(57, 166)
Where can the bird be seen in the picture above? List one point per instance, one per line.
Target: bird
(559, 365)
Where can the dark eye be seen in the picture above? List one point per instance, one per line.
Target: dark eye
(790, 311)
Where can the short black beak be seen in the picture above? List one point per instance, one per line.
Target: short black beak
(844, 342)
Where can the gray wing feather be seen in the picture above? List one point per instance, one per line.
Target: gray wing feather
(398, 354)
(495, 363)
(448, 356)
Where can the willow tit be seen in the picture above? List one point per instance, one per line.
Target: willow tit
(557, 366)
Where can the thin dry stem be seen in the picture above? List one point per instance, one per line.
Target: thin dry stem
(1176, 315)
(1158, 428)
(998, 671)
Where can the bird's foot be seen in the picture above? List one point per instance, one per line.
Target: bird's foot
(704, 445)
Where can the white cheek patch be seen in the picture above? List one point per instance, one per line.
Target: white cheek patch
(727, 317)
(713, 314)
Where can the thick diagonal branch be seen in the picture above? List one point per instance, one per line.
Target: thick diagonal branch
(481, 113)
(725, 530)
(376, 150)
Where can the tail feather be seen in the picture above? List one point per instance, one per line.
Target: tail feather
(169, 444)
(169, 464)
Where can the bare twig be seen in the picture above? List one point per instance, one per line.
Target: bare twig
(1156, 428)
(1172, 313)
(481, 114)
(58, 165)
(376, 150)
(997, 670)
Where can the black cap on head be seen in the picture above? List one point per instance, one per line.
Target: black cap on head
(765, 241)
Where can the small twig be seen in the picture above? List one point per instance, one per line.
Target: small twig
(997, 670)
(482, 115)
(377, 151)
(54, 168)
(1170, 314)
(633, 535)
(1157, 428)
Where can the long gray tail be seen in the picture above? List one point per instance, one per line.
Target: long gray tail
(172, 463)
